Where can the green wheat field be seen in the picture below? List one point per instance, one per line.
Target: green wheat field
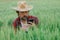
(48, 13)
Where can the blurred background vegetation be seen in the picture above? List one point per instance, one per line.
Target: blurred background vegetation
(48, 13)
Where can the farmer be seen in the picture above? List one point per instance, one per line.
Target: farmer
(24, 20)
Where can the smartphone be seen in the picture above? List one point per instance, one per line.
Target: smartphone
(30, 21)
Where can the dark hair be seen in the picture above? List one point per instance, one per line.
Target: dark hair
(17, 12)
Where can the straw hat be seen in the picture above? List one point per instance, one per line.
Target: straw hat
(22, 6)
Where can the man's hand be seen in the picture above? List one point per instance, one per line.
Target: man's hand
(27, 26)
(31, 24)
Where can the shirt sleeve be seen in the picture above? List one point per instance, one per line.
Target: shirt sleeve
(14, 24)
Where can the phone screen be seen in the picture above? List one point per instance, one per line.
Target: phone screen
(31, 20)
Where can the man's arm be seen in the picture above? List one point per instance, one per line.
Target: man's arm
(36, 20)
(15, 25)
(33, 20)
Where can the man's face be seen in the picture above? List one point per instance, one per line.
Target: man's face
(23, 14)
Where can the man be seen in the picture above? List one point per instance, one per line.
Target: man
(24, 20)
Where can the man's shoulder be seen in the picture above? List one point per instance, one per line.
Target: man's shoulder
(32, 17)
(17, 19)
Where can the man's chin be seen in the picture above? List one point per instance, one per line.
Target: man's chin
(24, 18)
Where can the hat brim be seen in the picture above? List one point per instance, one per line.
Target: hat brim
(19, 9)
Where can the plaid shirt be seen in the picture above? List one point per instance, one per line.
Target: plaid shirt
(17, 22)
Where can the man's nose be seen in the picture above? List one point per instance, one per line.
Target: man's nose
(25, 14)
